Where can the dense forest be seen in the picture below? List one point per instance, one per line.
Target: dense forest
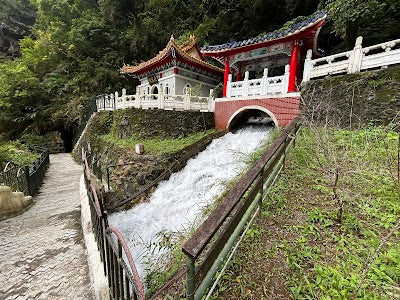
(57, 54)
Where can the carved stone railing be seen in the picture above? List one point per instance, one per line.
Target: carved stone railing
(265, 86)
(159, 101)
(356, 60)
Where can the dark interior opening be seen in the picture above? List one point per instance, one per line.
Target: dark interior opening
(67, 135)
(251, 117)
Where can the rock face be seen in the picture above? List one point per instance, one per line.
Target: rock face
(16, 20)
(12, 202)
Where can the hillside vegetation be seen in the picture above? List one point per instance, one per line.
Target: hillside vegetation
(74, 49)
(301, 248)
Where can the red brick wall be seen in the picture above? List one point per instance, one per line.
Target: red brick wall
(284, 109)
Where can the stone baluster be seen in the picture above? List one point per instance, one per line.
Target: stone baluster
(228, 86)
(186, 103)
(356, 57)
(211, 101)
(115, 101)
(264, 83)
(246, 84)
(124, 98)
(307, 66)
(285, 85)
(161, 102)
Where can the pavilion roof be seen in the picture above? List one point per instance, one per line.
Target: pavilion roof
(165, 55)
(315, 20)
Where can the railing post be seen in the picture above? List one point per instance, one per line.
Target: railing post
(124, 98)
(115, 100)
(190, 284)
(161, 98)
(246, 84)
(356, 56)
(307, 66)
(261, 189)
(211, 101)
(285, 88)
(108, 178)
(28, 183)
(228, 86)
(264, 82)
(186, 105)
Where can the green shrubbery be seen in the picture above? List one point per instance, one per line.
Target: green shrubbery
(17, 153)
(303, 247)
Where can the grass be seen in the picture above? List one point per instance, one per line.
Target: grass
(157, 145)
(16, 152)
(297, 249)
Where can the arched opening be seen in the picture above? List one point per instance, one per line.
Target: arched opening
(67, 136)
(251, 115)
(154, 92)
(187, 89)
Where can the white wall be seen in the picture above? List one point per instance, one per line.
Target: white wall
(177, 82)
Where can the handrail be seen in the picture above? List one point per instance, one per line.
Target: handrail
(221, 229)
(121, 240)
(123, 280)
(198, 241)
(92, 187)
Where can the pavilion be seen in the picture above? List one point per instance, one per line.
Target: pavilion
(175, 71)
(271, 50)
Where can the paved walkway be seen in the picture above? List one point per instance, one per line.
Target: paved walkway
(42, 255)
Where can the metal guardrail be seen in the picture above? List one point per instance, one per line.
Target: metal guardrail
(26, 179)
(210, 244)
(119, 267)
(89, 109)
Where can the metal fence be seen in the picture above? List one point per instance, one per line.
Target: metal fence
(119, 267)
(28, 178)
(209, 246)
(89, 109)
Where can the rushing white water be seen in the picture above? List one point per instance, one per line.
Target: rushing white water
(179, 203)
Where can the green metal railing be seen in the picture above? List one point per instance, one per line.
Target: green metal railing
(209, 246)
(28, 178)
(119, 267)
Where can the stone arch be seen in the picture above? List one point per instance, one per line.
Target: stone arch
(244, 109)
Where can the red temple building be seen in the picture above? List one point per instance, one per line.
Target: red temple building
(281, 53)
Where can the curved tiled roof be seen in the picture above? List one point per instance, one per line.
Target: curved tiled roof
(181, 50)
(275, 35)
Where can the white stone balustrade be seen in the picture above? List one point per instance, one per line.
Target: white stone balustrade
(265, 86)
(159, 101)
(356, 60)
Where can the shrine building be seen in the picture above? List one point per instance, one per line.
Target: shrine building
(263, 73)
(175, 71)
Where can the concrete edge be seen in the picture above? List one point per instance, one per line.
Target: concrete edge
(98, 279)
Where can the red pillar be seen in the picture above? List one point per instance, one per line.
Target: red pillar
(294, 61)
(226, 75)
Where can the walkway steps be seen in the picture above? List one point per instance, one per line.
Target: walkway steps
(42, 255)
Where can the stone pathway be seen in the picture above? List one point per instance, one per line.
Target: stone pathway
(42, 254)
